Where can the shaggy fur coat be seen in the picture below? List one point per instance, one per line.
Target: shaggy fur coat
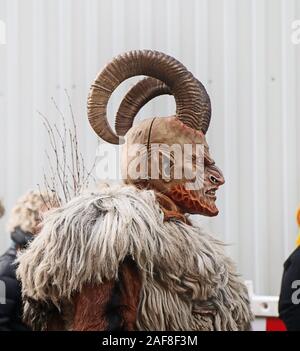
(187, 281)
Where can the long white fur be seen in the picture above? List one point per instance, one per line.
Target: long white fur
(188, 281)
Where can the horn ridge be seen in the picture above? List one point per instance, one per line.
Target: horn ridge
(192, 100)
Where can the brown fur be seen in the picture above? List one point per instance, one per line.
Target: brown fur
(92, 303)
(131, 289)
(90, 307)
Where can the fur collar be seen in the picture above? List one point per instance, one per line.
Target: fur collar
(188, 281)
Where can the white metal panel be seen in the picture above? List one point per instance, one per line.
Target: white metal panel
(259, 132)
(230, 224)
(241, 51)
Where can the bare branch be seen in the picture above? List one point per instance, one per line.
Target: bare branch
(68, 175)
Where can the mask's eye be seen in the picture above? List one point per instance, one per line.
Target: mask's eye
(213, 180)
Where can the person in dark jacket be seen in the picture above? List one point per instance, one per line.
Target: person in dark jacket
(23, 223)
(289, 300)
(11, 311)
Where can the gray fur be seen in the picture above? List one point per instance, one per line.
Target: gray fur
(188, 281)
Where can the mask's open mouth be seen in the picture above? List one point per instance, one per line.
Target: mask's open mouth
(195, 202)
(211, 193)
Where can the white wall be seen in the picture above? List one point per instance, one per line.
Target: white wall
(240, 49)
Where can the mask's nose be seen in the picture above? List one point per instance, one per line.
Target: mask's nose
(217, 177)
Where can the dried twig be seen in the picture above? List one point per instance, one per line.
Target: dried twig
(68, 175)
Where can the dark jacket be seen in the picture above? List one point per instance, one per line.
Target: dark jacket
(289, 300)
(11, 311)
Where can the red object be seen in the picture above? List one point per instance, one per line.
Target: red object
(275, 324)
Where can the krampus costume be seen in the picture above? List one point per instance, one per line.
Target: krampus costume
(127, 257)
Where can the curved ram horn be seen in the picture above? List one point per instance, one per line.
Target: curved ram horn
(192, 100)
(137, 97)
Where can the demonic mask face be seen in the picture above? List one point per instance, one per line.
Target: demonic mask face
(174, 160)
(151, 143)
(201, 201)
